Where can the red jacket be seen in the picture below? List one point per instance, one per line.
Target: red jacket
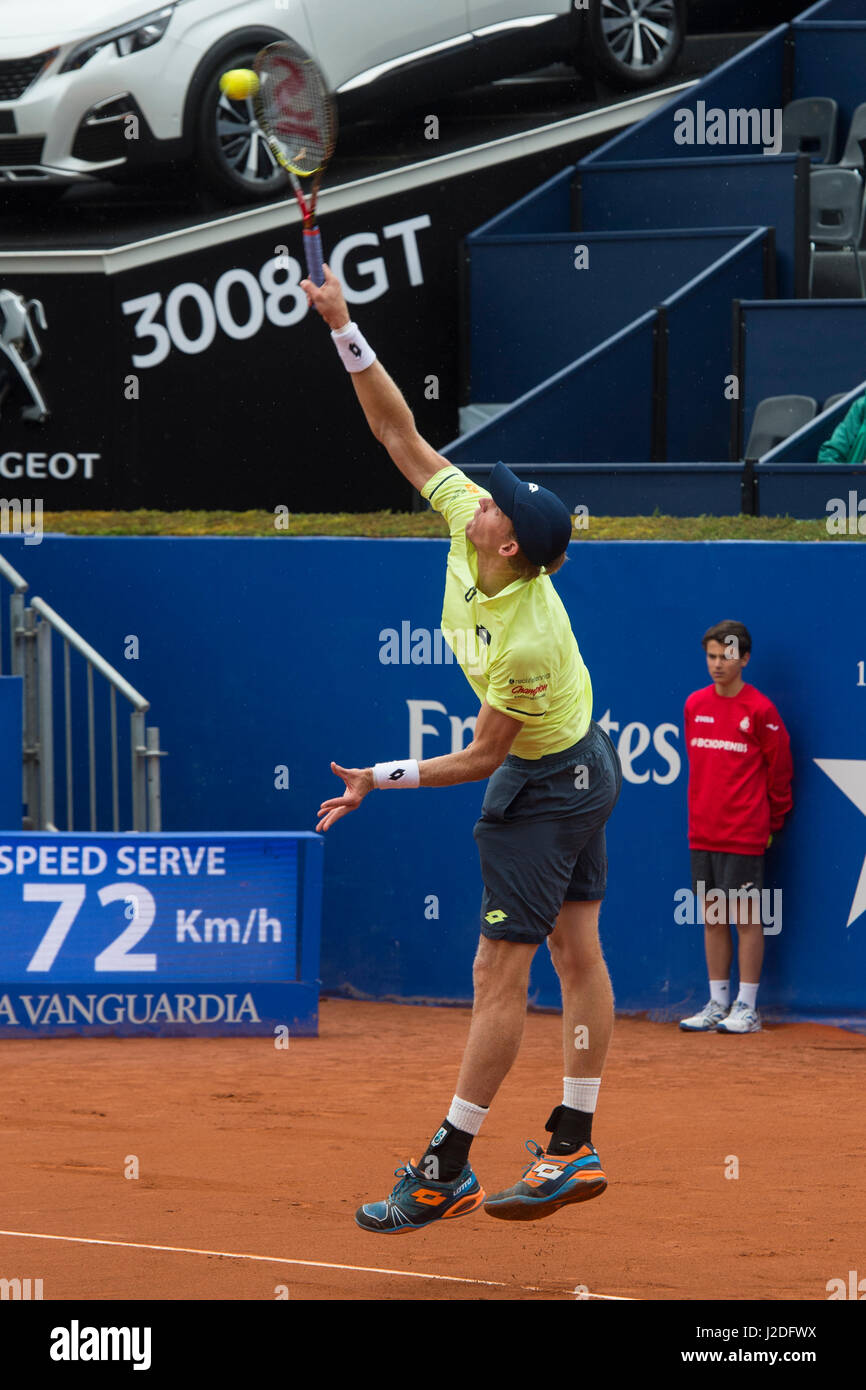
(740, 770)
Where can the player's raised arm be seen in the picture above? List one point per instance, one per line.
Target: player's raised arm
(388, 415)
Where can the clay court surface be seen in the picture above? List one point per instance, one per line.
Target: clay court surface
(249, 1150)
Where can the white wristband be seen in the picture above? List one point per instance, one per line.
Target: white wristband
(353, 348)
(402, 774)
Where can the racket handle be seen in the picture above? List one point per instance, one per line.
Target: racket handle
(313, 253)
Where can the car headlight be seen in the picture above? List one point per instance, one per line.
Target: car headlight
(127, 38)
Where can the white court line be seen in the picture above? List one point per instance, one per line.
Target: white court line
(283, 1260)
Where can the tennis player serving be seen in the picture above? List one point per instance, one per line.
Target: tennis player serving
(554, 780)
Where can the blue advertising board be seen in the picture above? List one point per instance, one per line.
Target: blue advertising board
(341, 657)
(11, 715)
(164, 933)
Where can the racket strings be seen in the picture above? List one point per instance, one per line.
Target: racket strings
(295, 110)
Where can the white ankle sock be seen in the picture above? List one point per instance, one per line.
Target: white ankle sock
(581, 1092)
(748, 994)
(720, 991)
(466, 1116)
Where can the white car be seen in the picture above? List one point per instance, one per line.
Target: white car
(97, 88)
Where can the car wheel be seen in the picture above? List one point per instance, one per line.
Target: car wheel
(234, 160)
(635, 43)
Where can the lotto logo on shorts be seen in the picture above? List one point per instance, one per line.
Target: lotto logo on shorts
(497, 916)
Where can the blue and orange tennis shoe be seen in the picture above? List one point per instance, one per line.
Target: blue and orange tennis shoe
(417, 1201)
(550, 1182)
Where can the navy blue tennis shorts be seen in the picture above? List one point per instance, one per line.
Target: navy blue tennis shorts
(541, 836)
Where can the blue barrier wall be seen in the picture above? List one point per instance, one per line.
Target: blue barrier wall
(547, 208)
(831, 9)
(802, 490)
(258, 654)
(518, 283)
(829, 61)
(636, 489)
(11, 716)
(699, 327)
(747, 192)
(751, 79)
(778, 357)
(598, 408)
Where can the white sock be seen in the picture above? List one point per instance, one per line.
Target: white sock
(466, 1116)
(748, 995)
(720, 992)
(581, 1092)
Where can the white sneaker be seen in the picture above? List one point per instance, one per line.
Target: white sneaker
(707, 1020)
(741, 1019)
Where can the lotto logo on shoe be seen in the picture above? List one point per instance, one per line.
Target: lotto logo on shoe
(430, 1198)
(544, 1172)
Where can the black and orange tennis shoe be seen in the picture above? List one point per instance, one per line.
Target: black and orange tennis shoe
(417, 1201)
(550, 1182)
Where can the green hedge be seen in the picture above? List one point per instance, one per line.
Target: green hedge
(428, 523)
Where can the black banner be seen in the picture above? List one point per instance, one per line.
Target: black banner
(179, 378)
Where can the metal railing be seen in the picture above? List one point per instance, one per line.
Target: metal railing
(32, 630)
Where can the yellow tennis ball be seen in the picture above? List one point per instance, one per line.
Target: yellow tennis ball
(239, 84)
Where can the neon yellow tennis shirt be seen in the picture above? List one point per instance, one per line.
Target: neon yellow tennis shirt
(516, 649)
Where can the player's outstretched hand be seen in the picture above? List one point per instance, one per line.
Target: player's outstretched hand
(359, 781)
(328, 300)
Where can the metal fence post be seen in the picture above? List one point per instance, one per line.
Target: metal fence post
(16, 667)
(138, 749)
(46, 727)
(31, 720)
(154, 801)
(16, 640)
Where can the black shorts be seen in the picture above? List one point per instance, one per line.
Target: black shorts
(716, 869)
(541, 836)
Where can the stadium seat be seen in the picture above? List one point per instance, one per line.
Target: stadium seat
(853, 155)
(809, 127)
(836, 218)
(777, 417)
(833, 400)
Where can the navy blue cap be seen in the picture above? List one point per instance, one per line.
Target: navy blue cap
(542, 524)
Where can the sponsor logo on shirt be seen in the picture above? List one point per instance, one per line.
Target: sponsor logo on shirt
(704, 719)
(529, 685)
(745, 724)
(725, 743)
(774, 727)
(531, 691)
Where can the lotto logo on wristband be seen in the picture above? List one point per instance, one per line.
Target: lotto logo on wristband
(397, 774)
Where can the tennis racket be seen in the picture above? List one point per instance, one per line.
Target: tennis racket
(298, 116)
